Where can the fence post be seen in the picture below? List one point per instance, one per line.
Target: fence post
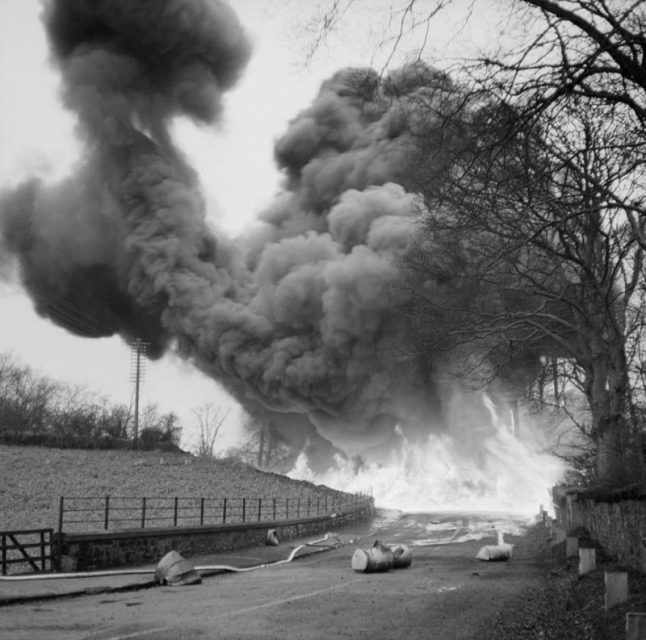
(106, 519)
(175, 511)
(298, 508)
(143, 512)
(59, 539)
(61, 507)
(201, 511)
(318, 505)
(244, 508)
(4, 555)
(274, 510)
(309, 504)
(286, 508)
(42, 549)
(259, 509)
(326, 503)
(224, 511)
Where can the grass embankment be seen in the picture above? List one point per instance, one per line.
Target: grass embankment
(33, 479)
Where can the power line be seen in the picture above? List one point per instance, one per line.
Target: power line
(69, 313)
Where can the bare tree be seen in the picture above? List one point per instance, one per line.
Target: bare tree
(400, 21)
(159, 430)
(116, 420)
(25, 398)
(210, 419)
(545, 259)
(262, 446)
(543, 212)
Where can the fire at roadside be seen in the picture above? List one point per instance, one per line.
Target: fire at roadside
(309, 320)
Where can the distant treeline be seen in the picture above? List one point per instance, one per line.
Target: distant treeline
(35, 410)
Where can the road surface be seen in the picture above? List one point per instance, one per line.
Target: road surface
(445, 594)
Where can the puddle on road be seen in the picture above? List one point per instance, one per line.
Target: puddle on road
(437, 528)
(445, 589)
(384, 518)
(428, 529)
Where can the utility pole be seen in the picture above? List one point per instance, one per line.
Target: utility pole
(261, 445)
(137, 372)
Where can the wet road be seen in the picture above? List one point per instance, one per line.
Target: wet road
(445, 594)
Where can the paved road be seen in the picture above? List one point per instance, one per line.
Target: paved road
(445, 594)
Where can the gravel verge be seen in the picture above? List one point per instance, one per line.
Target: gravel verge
(566, 606)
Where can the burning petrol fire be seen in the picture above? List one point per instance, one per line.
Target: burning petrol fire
(502, 474)
(312, 320)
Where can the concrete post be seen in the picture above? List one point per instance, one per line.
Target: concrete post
(636, 626)
(616, 583)
(587, 561)
(571, 547)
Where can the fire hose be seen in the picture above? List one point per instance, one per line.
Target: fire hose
(201, 568)
(292, 555)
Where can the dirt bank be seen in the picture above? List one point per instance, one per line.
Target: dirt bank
(33, 478)
(565, 606)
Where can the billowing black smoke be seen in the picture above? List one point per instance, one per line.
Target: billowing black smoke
(307, 317)
(128, 68)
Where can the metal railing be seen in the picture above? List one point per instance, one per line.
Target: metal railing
(118, 512)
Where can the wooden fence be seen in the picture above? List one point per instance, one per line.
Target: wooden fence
(26, 549)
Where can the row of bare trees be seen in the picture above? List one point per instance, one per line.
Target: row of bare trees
(40, 411)
(37, 410)
(538, 208)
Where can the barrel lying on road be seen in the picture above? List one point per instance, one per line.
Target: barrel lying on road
(381, 557)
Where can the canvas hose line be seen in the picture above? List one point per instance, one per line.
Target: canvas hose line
(121, 572)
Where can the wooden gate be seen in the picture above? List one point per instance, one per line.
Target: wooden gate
(27, 547)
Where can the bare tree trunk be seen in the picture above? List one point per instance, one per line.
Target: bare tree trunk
(618, 459)
(555, 379)
(515, 417)
(612, 466)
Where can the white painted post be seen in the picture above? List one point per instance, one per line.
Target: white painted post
(636, 626)
(587, 561)
(571, 547)
(616, 583)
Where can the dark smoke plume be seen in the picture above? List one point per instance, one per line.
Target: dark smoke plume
(91, 249)
(305, 320)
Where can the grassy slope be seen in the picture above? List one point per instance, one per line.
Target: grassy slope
(33, 478)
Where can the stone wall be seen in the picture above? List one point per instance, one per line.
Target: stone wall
(94, 551)
(619, 527)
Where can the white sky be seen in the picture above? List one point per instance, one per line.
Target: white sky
(37, 137)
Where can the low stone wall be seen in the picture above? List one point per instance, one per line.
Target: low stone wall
(94, 551)
(619, 527)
